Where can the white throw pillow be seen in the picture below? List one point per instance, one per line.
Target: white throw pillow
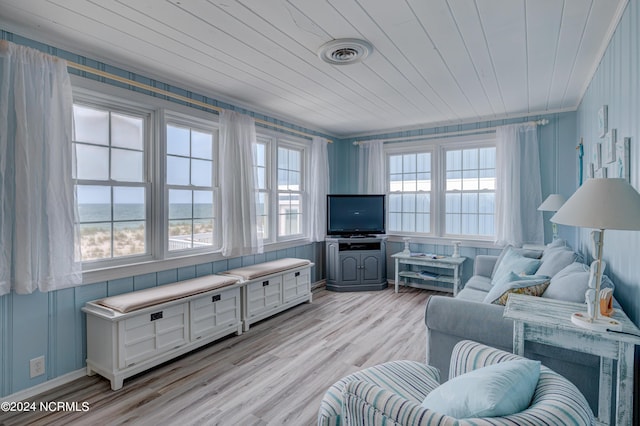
(555, 260)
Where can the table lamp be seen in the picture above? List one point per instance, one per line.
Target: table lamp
(600, 204)
(552, 204)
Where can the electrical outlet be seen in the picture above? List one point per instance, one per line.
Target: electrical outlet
(36, 367)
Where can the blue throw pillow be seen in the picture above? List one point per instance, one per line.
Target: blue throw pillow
(572, 282)
(532, 285)
(512, 261)
(498, 390)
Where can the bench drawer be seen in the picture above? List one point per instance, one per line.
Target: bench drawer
(264, 295)
(213, 312)
(296, 284)
(143, 336)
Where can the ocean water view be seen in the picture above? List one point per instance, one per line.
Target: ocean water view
(93, 213)
(128, 236)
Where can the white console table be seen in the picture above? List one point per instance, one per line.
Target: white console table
(453, 264)
(548, 321)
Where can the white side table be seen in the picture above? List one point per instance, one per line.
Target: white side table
(548, 321)
(453, 264)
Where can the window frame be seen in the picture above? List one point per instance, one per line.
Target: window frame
(169, 117)
(99, 93)
(277, 140)
(437, 147)
(484, 143)
(406, 150)
(121, 106)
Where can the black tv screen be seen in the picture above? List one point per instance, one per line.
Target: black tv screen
(355, 214)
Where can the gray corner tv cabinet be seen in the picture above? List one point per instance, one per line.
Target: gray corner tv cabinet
(356, 263)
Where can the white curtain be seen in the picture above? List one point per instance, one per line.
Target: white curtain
(371, 177)
(38, 239)
(238, 185)
(518, 192)
(319, 188)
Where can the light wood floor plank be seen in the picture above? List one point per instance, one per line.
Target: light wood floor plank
(273, 374)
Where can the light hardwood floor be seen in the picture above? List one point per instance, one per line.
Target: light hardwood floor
(274, 374)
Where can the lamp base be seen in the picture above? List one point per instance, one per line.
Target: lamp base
(599, 324)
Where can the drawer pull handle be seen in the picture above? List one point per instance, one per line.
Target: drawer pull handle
(297, 274)
(156, 316)
(216, 298)
(265, 283)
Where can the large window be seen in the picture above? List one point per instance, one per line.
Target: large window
(442, 188)
(146, 178)
(290, 206)
(111, 181)
(280, 208)
(190, 180)
(410, 192)
(470, 191)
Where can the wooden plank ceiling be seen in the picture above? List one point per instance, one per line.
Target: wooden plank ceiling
(435, 61)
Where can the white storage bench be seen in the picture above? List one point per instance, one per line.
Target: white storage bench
(272, 287)
(129, 333)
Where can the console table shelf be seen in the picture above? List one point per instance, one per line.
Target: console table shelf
(453, 264)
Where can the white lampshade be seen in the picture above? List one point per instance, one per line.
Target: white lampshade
(602, 204)
(552, 203)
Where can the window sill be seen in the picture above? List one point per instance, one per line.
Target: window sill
(464, 242)
(96, 275)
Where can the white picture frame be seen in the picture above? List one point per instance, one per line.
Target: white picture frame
(596, 156)
(623, 160)
(609, 147)
(603, 121)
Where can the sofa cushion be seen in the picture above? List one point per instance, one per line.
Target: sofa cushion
(571, 283)
(514, 261)
(497, 390)
(532, 285)
(556, 259)
(471, 294)
(478, 282)
(530, 253)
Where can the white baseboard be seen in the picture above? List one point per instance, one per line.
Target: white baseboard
(25, 394)
(318, 285)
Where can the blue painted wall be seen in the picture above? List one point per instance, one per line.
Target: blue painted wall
(52, 324)
(616, 84)
(558, 157)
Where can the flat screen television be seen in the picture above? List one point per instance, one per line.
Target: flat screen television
(355, 214)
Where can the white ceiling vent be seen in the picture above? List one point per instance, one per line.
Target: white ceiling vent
(345, 51)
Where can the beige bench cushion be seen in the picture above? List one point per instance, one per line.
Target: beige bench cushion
(152, 296)
(267, 268)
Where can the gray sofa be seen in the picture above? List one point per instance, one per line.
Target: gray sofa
(468, 316)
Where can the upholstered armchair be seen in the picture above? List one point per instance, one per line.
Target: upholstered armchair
(392, 393)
